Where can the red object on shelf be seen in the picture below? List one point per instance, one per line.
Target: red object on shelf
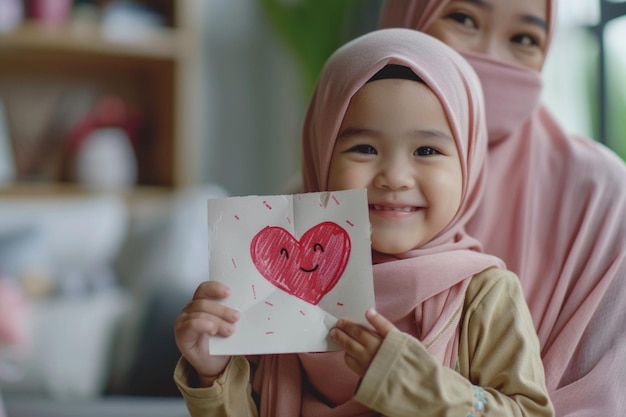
(53, 13)
(110, 111)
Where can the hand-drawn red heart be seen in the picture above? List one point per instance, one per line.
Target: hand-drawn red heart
(307, 269)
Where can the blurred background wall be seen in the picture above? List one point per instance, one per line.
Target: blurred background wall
(262, 58)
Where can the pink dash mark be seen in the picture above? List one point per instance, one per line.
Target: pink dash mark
(269, 304)
(321, 205)
(350, 223)
(269, 332)
(288, 220)
(299, 197)
(253, 291)
(340, 304)
(233, 261)
(335, 200)
(303, 313)
(267, 205)
(236, 217)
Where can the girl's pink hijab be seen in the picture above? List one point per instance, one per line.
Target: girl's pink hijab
(420, 291)
(555, 211)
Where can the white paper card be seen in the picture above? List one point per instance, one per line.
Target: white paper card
(295, 264)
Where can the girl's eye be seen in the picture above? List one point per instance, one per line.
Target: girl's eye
(426, 151)
(318, 247)
(366, 149)
(462, 18)
(284, 253)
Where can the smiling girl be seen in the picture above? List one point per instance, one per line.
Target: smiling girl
(400, 114)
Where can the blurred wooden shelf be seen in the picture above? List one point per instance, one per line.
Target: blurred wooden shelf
(155, 70)
(38, 189)
(87, 42)
(141, 201)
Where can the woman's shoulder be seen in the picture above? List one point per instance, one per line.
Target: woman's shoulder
(583, 155)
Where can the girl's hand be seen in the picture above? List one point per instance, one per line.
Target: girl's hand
(359, 342)
(205, 316)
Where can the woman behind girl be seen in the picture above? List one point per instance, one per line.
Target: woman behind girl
(555, 206)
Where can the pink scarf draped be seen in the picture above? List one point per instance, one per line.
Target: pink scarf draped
(421, 291)
(554, 209)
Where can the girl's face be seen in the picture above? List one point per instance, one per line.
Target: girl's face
(509, 30)
(396, 142)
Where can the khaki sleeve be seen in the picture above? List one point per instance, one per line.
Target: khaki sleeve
(500, 349)
(500, 367)
(229, 396)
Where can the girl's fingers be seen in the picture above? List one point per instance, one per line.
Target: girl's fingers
(356, 338)
(211, 289)
(346, 341)
(381, 325)
(212, 307)
(197, 323)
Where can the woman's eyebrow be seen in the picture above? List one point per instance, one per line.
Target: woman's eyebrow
(527, 18)
(535, 20)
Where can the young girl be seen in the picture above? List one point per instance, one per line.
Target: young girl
(401, 114)
(554, 205)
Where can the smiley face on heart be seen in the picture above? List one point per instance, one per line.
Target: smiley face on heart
(308, 268)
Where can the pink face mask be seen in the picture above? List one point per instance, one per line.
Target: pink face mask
(511, 93)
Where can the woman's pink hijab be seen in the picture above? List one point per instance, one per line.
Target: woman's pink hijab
(555, 211)
(422, 290)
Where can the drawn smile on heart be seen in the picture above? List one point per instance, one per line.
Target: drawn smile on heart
(308, 268)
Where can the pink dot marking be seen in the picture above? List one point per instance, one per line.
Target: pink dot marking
(350, 223)
(233, 261)
(335, 200)
(267, 205)
(299, 197)
(253, 291)
(269, 332)
(340, 304)
(269, 304)
(236, 217)
(303, 313)
(268, 318)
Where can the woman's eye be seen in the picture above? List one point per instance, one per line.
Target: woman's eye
(318, 247)
(462, 18)
(525, 40)
(366, 149)
(426, 151)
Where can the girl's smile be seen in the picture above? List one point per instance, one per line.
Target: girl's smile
(393, 211)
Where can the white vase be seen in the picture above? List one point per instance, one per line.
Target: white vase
(106, 160)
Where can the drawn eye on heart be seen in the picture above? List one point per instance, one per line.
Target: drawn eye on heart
(308, 268)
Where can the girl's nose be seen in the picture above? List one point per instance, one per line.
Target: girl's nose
(395, 175)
